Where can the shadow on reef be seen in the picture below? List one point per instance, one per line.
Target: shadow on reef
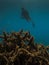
(18, 48)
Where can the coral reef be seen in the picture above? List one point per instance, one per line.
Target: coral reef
(19, 48)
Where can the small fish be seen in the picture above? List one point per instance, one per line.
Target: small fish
(26, 16)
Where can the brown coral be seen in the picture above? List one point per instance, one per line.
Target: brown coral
(18, 48)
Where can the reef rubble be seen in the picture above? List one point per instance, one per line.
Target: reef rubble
(19, 48)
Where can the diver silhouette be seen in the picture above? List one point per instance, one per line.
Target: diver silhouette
(25, 15)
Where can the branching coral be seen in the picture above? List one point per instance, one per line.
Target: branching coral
(18, 48)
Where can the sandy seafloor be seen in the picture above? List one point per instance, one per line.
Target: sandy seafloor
(10, 20)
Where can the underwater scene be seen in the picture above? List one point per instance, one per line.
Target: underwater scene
(24, 32)
(11, 20)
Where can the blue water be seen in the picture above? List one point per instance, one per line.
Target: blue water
(10, 20)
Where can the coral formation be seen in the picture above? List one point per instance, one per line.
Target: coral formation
(19, 48)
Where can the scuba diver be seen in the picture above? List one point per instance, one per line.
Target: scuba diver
(25, 15)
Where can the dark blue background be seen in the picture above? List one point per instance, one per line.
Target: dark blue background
(10, 18)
